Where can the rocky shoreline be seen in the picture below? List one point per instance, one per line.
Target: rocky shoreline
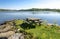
(8, 31)
(13, 29)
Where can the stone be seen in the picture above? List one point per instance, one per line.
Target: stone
(16, 36)
(7, 34)
(5, 28)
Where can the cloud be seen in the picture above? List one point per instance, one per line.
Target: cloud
(49, 4)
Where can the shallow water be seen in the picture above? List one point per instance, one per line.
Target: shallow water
(49, 16)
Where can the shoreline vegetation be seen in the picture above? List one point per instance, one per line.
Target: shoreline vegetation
(32, 9)
(31, 30)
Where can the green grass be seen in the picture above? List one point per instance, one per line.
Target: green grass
(18, 22)
(42, 32)
(45, 33)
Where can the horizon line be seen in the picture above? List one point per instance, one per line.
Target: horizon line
(27, 8)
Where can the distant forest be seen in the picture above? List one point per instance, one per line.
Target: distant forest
(33, 9)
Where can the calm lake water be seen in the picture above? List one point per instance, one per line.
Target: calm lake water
(44, 15)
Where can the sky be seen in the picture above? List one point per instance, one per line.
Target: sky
(26, 4)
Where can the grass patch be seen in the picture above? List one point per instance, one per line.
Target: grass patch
(40, 32)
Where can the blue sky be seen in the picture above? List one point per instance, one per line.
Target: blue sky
(25, 4)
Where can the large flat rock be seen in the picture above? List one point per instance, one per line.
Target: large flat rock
(17, 36)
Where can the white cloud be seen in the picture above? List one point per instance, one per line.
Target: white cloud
(50, 4)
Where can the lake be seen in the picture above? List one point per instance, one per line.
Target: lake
(49, 16)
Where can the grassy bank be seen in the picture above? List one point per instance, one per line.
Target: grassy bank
(38, 32)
